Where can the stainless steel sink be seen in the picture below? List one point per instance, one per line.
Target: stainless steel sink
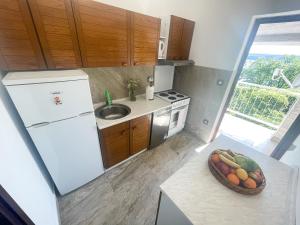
(112, 112)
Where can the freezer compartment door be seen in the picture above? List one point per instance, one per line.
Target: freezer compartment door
(48, 102)
(70, 150)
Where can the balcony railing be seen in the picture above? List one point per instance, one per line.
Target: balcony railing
(262, 104)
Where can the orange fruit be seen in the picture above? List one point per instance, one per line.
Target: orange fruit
(215, 158)
(250, 183)
(232, 171)
(232, 178)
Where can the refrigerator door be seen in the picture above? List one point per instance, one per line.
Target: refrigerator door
(48, 102)
(70, 150)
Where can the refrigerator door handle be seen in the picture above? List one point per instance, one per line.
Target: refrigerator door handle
(86, 113)
(40, 124)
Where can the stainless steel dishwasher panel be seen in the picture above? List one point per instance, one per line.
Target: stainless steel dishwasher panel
(160, 126)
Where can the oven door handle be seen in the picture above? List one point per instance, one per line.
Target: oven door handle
(164, 113)
(180, 108)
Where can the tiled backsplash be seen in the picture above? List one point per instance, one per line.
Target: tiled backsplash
(115, 80)
(203, 85)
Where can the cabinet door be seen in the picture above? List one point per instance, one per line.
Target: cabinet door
(103, 33)
(186, 40)
(19, 46)
(145, 31)
(175, 36)
(139, 134)
(56, 29)
(115, 144)
(180, 38)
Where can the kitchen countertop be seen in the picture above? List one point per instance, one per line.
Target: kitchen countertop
(140, 107)
(205, 201)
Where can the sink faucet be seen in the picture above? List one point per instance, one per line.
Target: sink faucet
(108, 97)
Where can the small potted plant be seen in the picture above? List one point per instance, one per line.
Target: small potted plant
(132, 85)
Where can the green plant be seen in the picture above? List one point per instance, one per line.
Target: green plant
(132, 83)
(132, 86)
(261, 71)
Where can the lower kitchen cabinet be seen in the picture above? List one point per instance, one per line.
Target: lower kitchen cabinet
(115, 144)
(139, 134)
(123, 140)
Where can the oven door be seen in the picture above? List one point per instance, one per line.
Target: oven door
(177, 122)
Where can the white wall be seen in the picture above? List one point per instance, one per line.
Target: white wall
(286, 5)
(22, 175)
(220, 25)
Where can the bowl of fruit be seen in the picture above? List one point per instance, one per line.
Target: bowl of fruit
(237, 172)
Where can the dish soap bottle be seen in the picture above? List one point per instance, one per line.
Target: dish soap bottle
(108, 97)
(150, 88)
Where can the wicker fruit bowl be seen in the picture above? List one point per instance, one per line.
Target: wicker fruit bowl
(237, 172)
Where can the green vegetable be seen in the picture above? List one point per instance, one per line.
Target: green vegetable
(247, 164)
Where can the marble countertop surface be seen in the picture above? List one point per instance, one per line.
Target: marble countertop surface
(140, 107)
(205, 201)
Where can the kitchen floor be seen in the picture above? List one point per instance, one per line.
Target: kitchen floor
(128, 194)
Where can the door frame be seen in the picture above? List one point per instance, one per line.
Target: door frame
(287, 140)
(255, 22)
(11, 211)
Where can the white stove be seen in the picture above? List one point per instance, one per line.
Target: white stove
(177, 99)
(180, 105)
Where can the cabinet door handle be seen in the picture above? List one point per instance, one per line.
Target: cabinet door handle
(134, 63)
(133, 127)
(123, 132)
(124, 64)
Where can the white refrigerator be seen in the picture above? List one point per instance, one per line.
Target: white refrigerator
(57, 111)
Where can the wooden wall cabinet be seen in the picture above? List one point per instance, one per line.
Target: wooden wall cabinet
(145, 31)
(19, 45)
(65, 34)
(56, 30)
(103, 33)
(180, 38)
(121, 141)
(110, 36)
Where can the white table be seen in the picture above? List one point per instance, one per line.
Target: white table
(193, 195)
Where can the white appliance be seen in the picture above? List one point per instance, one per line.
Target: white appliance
(57, 111)
(163, 78)
(180, 105)
(162, 49)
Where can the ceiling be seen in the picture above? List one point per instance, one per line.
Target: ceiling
(282, 33)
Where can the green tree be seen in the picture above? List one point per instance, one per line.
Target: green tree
(261, 71)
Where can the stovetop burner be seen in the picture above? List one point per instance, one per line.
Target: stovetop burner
(163, 94)
(172, 98)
